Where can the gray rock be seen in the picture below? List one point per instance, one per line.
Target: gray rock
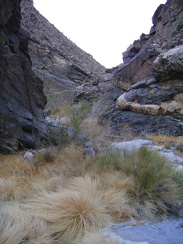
(21, 95)
(28, 156)
(169, 231)
(87, 144)
(89, 152)
(130, 145)
(169, 65)
(179, 168)
(57, 121)
(171, 156)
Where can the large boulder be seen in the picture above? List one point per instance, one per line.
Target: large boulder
(169, 65)
(21, 95)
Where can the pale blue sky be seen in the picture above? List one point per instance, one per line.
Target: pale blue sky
(103, 28)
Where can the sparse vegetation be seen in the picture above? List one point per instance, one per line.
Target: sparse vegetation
(70, 196)
(78, 114)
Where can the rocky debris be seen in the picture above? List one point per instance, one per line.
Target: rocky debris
(60, 135)
(130, 145)
(21, 95)
(137, 143)
(150, 80)
(91, 92)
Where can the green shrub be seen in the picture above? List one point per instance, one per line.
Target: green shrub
(108, 161)
(178, 178)
(78, 114)
(154, 188)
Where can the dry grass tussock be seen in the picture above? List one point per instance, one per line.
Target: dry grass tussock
(163, 138)
(70, 196)
(69, 214)
(115, 187)
(16, 166)
(18, 227)
(9, 189)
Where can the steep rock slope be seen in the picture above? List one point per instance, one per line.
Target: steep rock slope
(21, 95)
(55, 59)
(148, 86)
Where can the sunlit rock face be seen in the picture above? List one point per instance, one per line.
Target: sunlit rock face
(149, 83)
(21, 95)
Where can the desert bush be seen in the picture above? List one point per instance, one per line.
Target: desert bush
(178, 178)
(87, 185)
(78, 114)
(111, 187)
(154, 187)
(108, 161)
(16, 166)
(72, 161)
(69, 214)
(9, 189)
(45, 157)
(114, 187)
(91, 128)
(19, 227)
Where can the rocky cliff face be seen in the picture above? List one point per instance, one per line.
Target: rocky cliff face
(146, 95)
(150, 80)
(21, 95)
(55, 59)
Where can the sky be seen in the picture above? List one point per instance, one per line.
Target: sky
(103, 28)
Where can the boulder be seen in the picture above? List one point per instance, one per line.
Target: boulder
(169, 65)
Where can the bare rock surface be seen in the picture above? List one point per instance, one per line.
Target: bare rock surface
(59, 62)
(150, 80)
(21, 95)
(137, 143)
(167, 231)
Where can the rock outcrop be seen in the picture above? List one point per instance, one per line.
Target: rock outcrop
(150, 79)
(57, 60)
(21, 95)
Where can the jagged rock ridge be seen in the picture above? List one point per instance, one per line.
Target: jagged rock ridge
(148, 86)
(57, 60)
(21, 95)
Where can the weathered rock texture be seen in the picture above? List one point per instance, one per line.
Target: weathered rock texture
(57, 60)
(21, 95)
(150, 79)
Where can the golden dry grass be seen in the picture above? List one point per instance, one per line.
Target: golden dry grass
(163, 138)
(115, 188)
(16, 166)
(9, 189)
(71, 195)
(69, 214)
(19, 227)
(91, 127)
